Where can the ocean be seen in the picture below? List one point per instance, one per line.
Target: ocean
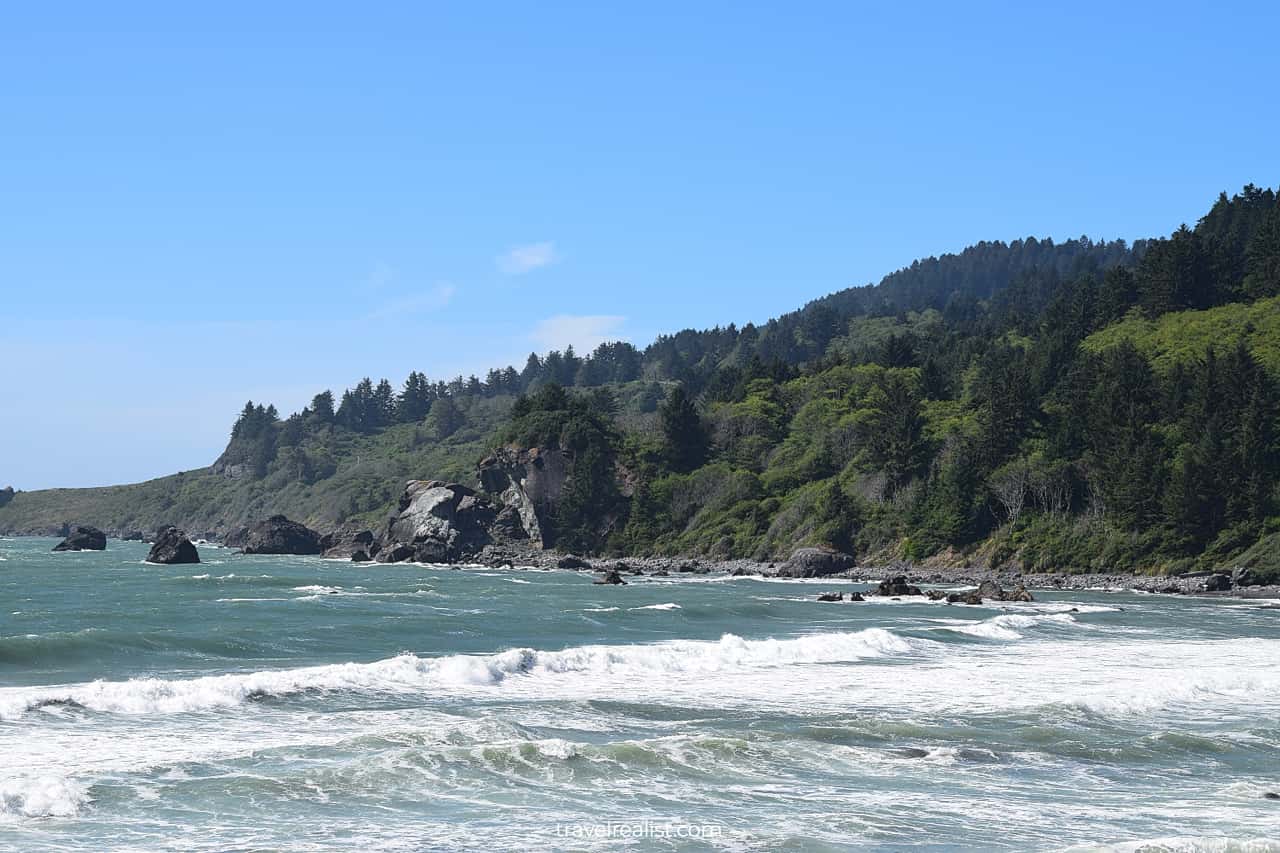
(291, 703)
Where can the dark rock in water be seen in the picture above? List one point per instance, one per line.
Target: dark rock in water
(969, 597)
(815, 563)
(344, 544)
(83, 539)
(611, 577)
(1217, 583)
(1271, 795)
(172, 547)
(572, 562)
(912, 752)
(992, 590)
(831, 596)
(689, 567)
(937, 595)
(133, 536)
(279, 535)
(395, 554)
(360, 557)
(897, 586)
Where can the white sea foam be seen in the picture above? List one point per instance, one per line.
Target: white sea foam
(318, 589)
(408, 673)
(40, 796)
(1183, 844)
(1003, 627)
(670, 605)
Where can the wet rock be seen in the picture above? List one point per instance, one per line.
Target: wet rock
(360, 556)
(1020, 593)
(969, 597)
(611, 577)
(1271, 795)
(937, 595)
(345, 543)
(279, 535)
(897, 586)
(815, 563)
(83, 539)
(831, 596)
(172, 547)
(572, 562)
(856, 596)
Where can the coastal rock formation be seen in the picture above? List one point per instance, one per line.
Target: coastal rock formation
(345, 544)
(831, 596)
(1217, 583)
(438, 523)
(991, 590)
(572, 562)
(897, 586)
(528, 483)
(611, 577)
(83, 539)
(815, 563)
(969, 597)
(172, 547)
(279, 535)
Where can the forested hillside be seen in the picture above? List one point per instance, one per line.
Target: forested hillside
(1063, 405)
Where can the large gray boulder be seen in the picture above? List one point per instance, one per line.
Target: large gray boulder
(172, 547)
(345, 544)
(279, 535)
(438, 522)
(83, 538)
(815, 563)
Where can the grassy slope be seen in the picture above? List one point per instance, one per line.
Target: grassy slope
(370, 473)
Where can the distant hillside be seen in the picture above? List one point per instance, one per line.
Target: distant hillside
(1049, 405)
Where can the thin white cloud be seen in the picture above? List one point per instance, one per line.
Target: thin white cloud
(432, 299)
(584, 332)
(519, 260)
(380, 276)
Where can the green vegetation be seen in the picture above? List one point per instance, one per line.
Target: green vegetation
(1065, 406)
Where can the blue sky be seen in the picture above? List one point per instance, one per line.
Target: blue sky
(199, 206)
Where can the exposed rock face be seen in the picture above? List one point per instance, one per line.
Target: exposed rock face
(897, 586)
(992, 590)
(831, 596)
(279, 535)
(815, 563)
(133, 536)
(171, 547)
(572, 562)
(611, 577)
(1217, 583)
(528, 483)
(6, 495)
(345, 544)
(83, 539)
(438, 523)
(970, 597)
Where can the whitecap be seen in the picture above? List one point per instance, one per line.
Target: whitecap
(41, 796)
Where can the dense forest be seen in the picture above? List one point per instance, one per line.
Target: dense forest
(1064, 405)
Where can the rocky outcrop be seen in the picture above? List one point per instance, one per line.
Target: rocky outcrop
(83, 539)
(897, 586)
(172, 547)
(611, 577)
(279, 535)
(1217, 583)
(991, 590)
(528, 484)
(815, 563)
(438, 523)
(969, 597)
(572, 562)
(6, 495)
(831, 596)
(346, 544)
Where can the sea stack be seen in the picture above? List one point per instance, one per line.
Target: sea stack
(83, 539)
(172, 547)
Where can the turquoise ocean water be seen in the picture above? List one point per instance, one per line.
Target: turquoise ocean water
(289, 703)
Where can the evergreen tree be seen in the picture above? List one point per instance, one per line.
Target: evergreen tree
(684, 434)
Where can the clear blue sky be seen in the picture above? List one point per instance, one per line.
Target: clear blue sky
(263, 200)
